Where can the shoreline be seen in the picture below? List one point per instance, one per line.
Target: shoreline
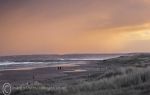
(36, 65)
(25, 75)
(32, 68)
(39, 66)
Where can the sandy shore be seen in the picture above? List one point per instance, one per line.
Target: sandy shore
(23, 75)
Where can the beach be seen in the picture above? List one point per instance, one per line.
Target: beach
(23, 74)
(80, 76)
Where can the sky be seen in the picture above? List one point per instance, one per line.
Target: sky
(74, 26)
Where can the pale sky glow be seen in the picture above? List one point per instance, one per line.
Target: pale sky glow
(74, 26)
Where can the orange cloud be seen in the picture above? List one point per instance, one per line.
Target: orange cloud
(80, 26)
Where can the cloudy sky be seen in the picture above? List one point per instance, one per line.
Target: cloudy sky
(74, 26)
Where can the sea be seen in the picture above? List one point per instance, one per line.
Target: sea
(12, 65)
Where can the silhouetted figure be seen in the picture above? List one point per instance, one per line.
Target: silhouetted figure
(59, 68)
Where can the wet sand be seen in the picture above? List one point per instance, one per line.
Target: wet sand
(24, 75)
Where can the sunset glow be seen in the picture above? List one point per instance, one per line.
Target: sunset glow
(74, 26)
